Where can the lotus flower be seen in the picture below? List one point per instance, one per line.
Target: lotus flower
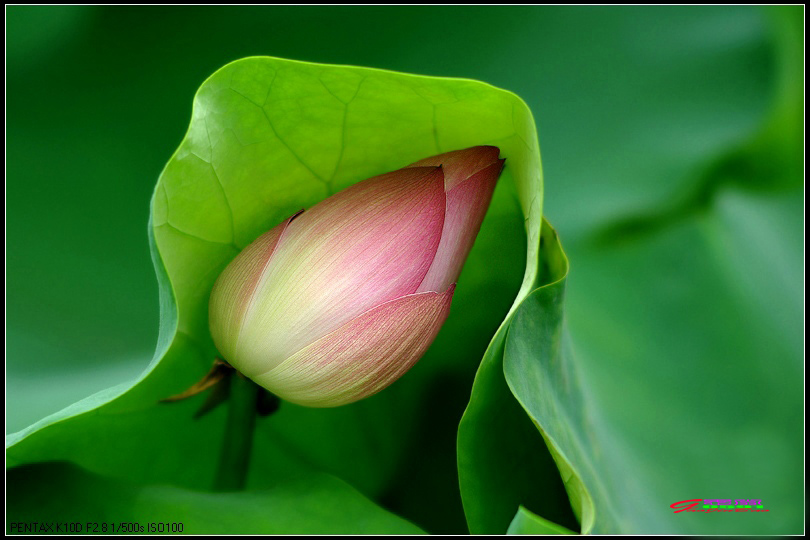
(337, 302)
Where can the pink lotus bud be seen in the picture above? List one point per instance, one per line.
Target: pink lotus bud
(337, 302)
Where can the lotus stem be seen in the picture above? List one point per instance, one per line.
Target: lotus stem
(234, 460)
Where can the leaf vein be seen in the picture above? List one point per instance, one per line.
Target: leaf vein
(280, 139)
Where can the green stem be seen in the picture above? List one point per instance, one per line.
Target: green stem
(235, 457)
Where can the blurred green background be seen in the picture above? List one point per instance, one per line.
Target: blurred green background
(672, 148)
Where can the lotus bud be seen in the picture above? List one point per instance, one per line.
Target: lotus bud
(338, 301)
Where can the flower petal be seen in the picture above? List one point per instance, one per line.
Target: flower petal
(364, 355)
(470, 176)
(236, 286)
(459, 165)
(366, 245)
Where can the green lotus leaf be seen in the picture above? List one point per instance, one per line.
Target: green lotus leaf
(268, 137)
